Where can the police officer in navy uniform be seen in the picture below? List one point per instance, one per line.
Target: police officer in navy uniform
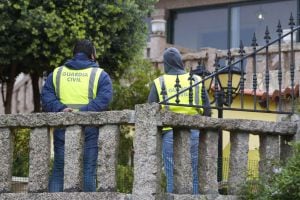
(173, 67)
(78, 85)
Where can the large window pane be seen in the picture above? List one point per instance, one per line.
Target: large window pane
(255, 18)
(201, 28)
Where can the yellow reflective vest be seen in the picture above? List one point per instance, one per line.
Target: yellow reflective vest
(168, 82)
(76, 88)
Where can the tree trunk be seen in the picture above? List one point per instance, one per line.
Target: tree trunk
(36, 91)
(9, 89)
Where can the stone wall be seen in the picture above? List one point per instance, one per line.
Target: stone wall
(148, 120)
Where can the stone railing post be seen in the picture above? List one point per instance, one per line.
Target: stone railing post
(39, 160)
(296, 118)
(238, 161)
(183, 179)
(286, 149)
(147, 157)
(208, 162)
(269, 153)
(73, 159)
(6, 156)
(108, 142)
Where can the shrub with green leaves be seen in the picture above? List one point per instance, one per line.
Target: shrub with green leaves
(21, 152)
(285, 184)
(124, 178)
(37, 36)
(133, 87)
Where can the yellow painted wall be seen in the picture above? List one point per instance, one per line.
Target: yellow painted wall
(248, 104)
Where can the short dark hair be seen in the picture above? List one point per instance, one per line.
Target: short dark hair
(86, 47)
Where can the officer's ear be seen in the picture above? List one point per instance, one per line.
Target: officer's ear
(93, 56)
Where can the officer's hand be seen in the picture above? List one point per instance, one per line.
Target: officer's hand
(68, 110)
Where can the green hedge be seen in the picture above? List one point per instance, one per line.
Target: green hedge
(124, 179)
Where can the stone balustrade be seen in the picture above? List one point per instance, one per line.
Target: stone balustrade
(148, 120)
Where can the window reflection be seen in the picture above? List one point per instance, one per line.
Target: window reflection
(199, 28)
(255, 18)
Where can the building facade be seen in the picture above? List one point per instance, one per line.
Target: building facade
(204, 30)
(221, 24)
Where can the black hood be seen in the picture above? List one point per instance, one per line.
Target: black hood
(172, 62)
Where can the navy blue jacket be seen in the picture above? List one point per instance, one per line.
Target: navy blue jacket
(50, 102)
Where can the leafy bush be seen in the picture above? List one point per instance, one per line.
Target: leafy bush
(133, 87)
(21, 152)
(285, 184)
(124, 178)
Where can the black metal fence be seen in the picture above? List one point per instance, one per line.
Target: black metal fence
(224, 94)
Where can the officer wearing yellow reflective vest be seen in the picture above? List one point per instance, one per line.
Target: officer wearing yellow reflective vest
(164, 87)
(168, 81)
(78, 85)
